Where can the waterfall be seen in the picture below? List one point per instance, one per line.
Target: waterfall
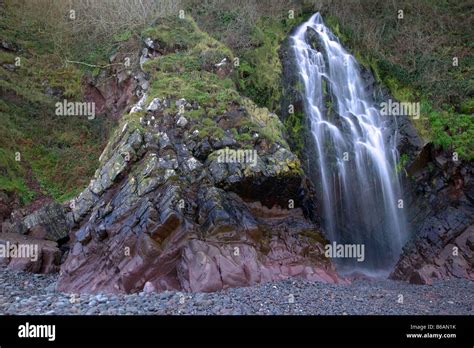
(356, 154)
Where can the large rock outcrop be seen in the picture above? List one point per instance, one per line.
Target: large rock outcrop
(117, 86)
(197, 190)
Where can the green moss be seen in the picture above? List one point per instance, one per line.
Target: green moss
(265, 123)
(244, 137)
(7, 57)
(207, 122)
(123, 36)
(173, 33)
(259, 73)
(132, 121)
(218, 133)
(209, 48)
(194, 114)
(204, 87)
(208, 131)
(294, 126)
(401, 163)
(213, 56)
(173, 63)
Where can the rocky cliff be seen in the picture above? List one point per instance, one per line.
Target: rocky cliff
(197, 190)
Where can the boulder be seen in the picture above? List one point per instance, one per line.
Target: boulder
(28, 254)
(419, 278)
(49, 222)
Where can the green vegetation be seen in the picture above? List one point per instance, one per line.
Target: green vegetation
(49, 146)
(202, 86)
(188, 71)
(294, 126)
(174, 33)
(181, 74)
(269, 125)
(173, 63)
(402, 162)
(260, 71)
(413, 57)
(255, 42)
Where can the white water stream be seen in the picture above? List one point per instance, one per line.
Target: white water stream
(359, 185)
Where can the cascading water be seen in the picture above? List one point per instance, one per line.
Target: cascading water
(356, 154)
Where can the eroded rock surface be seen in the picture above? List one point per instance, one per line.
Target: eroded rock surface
(8, 203)
(155, 214)
(116, 87)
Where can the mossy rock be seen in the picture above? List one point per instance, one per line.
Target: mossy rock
(173, 63)
(173, 33)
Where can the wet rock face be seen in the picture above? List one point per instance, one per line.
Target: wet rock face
(438, 193)
(167, 210)
(441, 212)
